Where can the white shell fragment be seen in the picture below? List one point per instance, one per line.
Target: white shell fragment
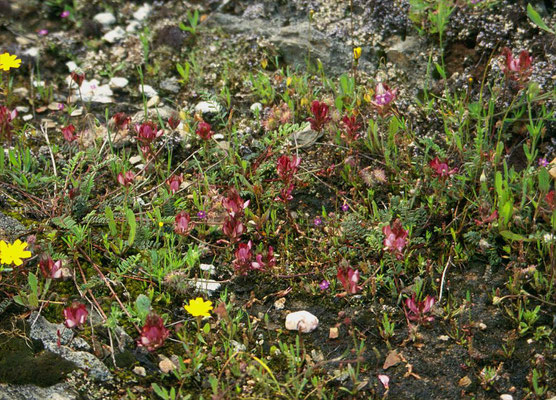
(302, 321)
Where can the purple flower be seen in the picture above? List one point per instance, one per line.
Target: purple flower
(75, 315)
(349, 279)
(416, 310)
(201, 214)
(60, 106)
(543, 162)
(324, 284)
(65, 14)
(396, 238)
(345, 207)
(317, 221)
(43, 32)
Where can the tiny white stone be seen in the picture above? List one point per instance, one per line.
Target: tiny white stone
(72, 66)
(132, 27)
(140, 371)
(506, 397)
(149, 91)
(206, 267)
(206, 285)
(302, 321)
(32, 52)
(256, 108)
(118, 82)
(22, 109)
(135, 159)
(105, 18)
(28, 117)
(204, 107)
(114, 35)
(142, 12)
(153, 101)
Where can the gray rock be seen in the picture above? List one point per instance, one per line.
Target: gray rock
(133, 26)
(118, 82)
(149, 91)
(142, 12)
(114, 35)
(105, 18)
(256, 108)
(152, 114)
(295, 41)
(170, 85)
(74, 350)
(10, 227)
(92, 91)
(60, 391)
(402, 52)
(208, 107)
(305, 137)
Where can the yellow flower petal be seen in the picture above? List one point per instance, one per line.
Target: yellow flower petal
(8, 61)
(13, 253)
(198, 307)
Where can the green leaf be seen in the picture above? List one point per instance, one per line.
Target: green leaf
(509, 235)
(544, 180)
(132, 226)
(339, 103)
(440, 70)
(33, 282)
(536, 19)
(111, 222)
(143, 306)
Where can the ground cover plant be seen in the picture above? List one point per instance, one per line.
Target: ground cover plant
(277, 200)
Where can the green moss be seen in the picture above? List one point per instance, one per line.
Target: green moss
(21, 363)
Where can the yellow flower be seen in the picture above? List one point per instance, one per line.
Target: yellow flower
(199, 307)
(8, 61)
(13, 253)
(264, 63)
(161, 224)
(357, 53)
(289, 81)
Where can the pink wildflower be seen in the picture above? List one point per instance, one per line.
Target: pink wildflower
(69, 133)
(243, 256)
(320, 115)
(153, 333)
(147, 132)
(441, 168)
(383, 97)
(204, 130)
(287, 167)
(349, 279)
(6, 118)
(182, 223)
(233, 228)
(396, 237)
(351, 128)
(174, 182)
(75, 315)
(234, 204)
(126, 179)
(517, 68)
(416, 310)
(264, 261)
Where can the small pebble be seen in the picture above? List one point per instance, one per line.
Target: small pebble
(302, 321)
(139, 371)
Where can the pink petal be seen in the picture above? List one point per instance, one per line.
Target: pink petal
(385, 380)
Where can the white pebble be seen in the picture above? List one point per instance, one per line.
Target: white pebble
(302, 321)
